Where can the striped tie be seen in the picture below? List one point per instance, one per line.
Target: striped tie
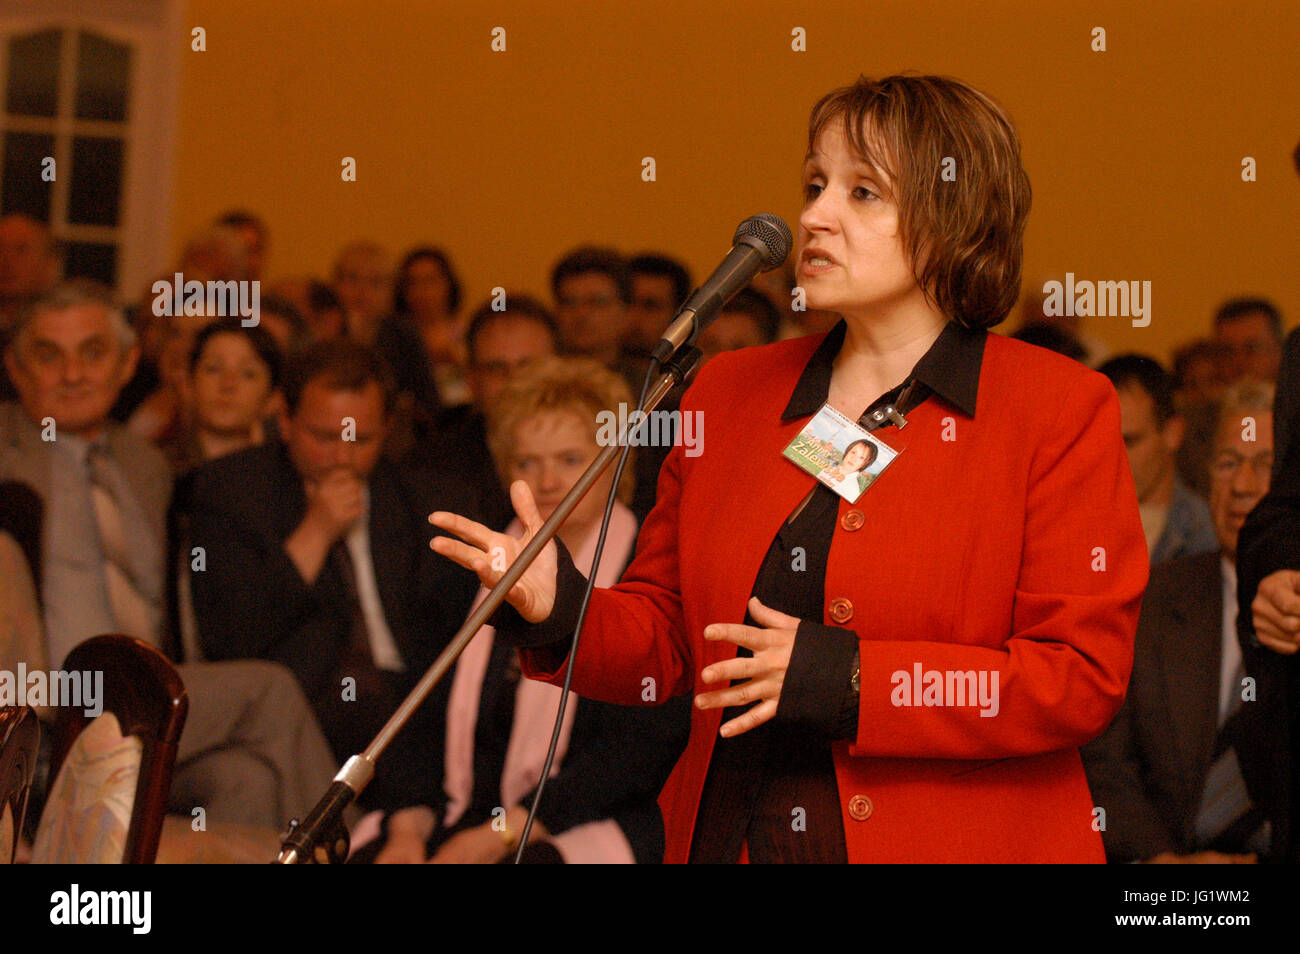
(131, 610)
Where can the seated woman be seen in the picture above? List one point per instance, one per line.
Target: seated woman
(233, 379)
(600, 804)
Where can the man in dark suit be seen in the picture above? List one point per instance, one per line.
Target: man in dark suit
(1185, 772)
(317, 556)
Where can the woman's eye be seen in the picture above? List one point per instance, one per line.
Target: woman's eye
(862, 192)
(811, 190)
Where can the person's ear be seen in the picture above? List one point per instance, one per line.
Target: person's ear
(12, 364)
(127, 368)
(1175, 430)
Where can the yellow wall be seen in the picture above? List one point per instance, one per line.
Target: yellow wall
(508, 159)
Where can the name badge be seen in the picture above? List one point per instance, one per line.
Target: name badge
(839, 453)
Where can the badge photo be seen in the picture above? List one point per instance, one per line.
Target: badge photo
(839, 453)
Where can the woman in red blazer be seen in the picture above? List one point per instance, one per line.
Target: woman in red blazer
(906, 677)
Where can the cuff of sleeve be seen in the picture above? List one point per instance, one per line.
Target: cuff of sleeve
(514, 630)
(817, 692)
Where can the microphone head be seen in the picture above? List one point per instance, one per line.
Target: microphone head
(767, 233)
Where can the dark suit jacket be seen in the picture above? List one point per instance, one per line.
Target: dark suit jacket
(1148, 769)
(251, 602)
(1269, 542)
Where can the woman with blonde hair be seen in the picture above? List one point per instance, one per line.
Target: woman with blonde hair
(599, 804)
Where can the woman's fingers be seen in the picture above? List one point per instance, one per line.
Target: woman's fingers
(471, 558)
(521, 497)
(742, 667)
(750, 637)
(767, 617)
(463, 527)
(749, 720)
(742, 695)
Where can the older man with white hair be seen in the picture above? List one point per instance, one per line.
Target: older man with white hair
(251, 751)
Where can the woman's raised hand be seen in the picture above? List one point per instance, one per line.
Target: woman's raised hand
(488, 554)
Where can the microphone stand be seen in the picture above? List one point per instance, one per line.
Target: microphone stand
(323, 827)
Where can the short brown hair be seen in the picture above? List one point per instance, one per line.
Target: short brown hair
(342, 365)
(965, 235)
(580, 385)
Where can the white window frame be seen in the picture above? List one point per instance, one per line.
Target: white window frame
(154, 30)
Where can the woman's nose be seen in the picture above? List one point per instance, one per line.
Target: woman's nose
(550, 477)
(818, 214)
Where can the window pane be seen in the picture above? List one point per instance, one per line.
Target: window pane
(102, 70)
(34, 74)
(96, 184)
(23, 188)
(91, 260)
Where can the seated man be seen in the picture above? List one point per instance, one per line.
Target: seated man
(499, 344)
(251, 751)
(1175, 520)
(317, 556)
(1177, 771)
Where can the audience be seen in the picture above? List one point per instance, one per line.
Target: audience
(499, 345)
(746, 321)
(428, 295)
(612, 760)
(284, 320)
(307, 494)
(660, 285)
(363, 281)
(1053, 338)
(254, 237)
(1176, 521)
(232, 376)
(218, 253)
(1197, 387)
(1183, 773)
(592, 292)
(251, 751)
(29, 266)
(318, 558)
(1070, 333)
(1248, 332)
(1197, 366)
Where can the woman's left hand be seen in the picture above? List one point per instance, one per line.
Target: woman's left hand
(771, 643)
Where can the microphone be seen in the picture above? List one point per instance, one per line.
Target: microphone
(761, 243)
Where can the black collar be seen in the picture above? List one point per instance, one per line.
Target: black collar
(951, 369)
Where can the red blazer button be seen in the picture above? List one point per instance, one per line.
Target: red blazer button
(860, 808)
(852, 520)
(841, 610)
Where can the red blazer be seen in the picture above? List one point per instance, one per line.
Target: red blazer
(1009, 542)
